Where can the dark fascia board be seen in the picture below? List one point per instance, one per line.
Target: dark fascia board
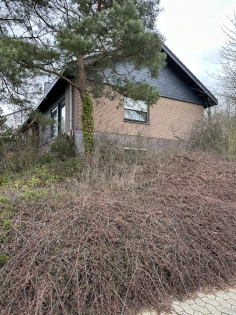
(189, 78)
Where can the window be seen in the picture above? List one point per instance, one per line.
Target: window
(54, 125)
(135, 110)
(62, 117)
(58, 114)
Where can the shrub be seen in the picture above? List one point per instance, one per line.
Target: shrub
(62, 148)
(19, 154)
(216, 133)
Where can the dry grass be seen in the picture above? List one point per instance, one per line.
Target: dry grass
(117, 239)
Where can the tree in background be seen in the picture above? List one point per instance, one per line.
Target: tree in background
(227, 76)
(78, 40)
(6, 132)
(2, 122)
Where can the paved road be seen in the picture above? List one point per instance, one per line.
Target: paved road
(219, 303)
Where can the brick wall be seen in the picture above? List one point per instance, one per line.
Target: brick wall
(168, 120)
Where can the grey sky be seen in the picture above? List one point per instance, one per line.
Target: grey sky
(193, 31)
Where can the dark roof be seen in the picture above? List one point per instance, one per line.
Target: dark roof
(189, 77)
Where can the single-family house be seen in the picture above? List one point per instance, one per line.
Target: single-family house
(182, 103)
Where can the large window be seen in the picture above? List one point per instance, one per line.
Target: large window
(54, 125)
(58, 114)
(135, 110)
(62, 117)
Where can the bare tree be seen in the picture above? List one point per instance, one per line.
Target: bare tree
(227, 76)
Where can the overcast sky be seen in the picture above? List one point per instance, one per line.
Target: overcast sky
(193, 31)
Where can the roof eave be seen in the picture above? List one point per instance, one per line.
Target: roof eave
(209, 98)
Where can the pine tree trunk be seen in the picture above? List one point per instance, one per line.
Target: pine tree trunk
(82, 76)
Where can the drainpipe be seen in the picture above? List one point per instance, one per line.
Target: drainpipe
(71, 112)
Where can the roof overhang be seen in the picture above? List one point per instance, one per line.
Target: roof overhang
(189, 78)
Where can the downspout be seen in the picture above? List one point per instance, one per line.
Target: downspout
(71, 112)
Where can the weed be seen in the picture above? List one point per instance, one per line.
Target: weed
(6, 224)
(31, 195)
(4, 200)
(3, 259)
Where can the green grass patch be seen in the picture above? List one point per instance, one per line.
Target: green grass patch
(3, 259)
(31, 195)
(4, 200)
(44, 174)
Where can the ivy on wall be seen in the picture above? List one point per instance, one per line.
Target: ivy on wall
(87, 124)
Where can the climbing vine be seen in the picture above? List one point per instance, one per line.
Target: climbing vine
(87, 124)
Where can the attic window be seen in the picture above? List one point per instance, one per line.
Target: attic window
(135, 110)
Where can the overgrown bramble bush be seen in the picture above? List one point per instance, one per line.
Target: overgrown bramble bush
(155, 231)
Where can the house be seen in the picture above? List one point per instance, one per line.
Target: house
(182, 103)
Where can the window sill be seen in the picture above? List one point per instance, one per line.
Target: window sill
(137, 122)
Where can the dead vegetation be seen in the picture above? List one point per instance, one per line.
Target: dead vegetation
(120, 236)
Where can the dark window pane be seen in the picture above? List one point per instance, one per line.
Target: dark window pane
(62, 117)
(54, 125)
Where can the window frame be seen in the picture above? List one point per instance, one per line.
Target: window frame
(56, 127)
(128, 107)
(61, 105)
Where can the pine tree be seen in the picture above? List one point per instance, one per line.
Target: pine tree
(78, 41)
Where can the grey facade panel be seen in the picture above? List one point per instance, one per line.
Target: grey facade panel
(168, 83)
